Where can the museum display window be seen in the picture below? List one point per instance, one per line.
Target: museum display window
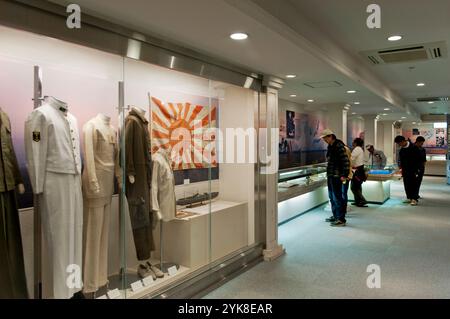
(131, 185)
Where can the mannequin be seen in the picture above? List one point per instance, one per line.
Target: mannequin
(52, 147)
(101, 165)
(12, 269)
(141, 112)
(163, 187)
(139, 171)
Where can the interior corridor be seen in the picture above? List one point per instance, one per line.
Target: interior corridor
(410, 244)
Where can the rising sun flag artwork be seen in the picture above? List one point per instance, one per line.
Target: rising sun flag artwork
(186, 130)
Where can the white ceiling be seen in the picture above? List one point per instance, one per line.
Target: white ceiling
(204, 25)
(417, 21)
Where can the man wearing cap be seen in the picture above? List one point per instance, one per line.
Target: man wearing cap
(377, 159)
(338, 170)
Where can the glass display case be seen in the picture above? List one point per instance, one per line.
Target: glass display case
(293, 182)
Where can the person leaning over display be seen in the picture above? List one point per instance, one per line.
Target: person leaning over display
(409, 164)
(359, 175)
(338, 169)
(423, 155)
(377, 159)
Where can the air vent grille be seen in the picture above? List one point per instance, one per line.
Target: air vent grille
(411, 53)
(323, 85)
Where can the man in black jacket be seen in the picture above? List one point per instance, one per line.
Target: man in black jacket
(338, 169)
(409, 162)
(423, 154)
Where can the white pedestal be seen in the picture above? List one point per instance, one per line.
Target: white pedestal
(376, 192)
(187, 240)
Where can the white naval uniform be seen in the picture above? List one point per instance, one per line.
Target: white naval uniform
(101, 159)
(164, 204)
(54, 165)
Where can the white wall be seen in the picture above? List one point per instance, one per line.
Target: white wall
(237, 107)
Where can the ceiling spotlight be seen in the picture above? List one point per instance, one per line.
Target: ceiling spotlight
(357, 103)
(387, 109)
(384, 114)
(291, 76)
(430, 102)
(414, 123)
(420, 84)
(351, 91)
(395, 38)
(311, 101)
(293, 95)
(403, 117)
(354, 113)
(239, 36)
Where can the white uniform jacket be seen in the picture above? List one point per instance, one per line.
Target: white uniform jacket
(52, 144)
(163, 188)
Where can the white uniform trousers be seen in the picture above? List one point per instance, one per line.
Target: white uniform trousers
(62, 222)
(95, 253)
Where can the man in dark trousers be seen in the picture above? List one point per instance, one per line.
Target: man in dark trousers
(409, 163)
(338, 170)
(423, 155)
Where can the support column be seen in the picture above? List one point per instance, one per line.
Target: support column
(448, 150)
(337, 120)
(268, 150)
(370, 129)
(388, 144)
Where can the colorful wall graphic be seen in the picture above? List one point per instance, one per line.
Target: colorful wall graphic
(435, 138)
(300, 143)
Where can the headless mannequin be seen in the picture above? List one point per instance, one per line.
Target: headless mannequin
(54, 101)
(20, 187)
(141, 112)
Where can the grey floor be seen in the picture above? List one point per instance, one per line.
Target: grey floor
(410, 244)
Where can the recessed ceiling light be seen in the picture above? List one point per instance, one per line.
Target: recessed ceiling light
(403, 117)
(311, 101)
(387, 109)
(291, 76)
(430, 102)
(395, 37)
(239, 36)
(354, 113)
(420, 84)
(414, 123)
(357, 103)
(351, 91)
(293, 95)
(384, 114)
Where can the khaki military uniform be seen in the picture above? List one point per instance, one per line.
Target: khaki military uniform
(12, 271)
(139, 165)
(101, 163)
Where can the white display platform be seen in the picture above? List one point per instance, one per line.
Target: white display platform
(375, 192)
(291, 208)
(186, 240)
(436, 168)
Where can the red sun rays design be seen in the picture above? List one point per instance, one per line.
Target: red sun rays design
(180, 128)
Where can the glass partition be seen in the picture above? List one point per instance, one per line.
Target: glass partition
(139, 177)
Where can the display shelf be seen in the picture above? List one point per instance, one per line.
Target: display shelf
(297, 181)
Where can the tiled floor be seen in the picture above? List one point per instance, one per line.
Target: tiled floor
(410, 244)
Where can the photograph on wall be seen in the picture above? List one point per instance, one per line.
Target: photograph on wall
(440, 137)
(290, 124)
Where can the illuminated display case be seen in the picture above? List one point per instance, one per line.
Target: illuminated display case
(293, 182)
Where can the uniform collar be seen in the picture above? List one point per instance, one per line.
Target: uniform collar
(137, 114)
(57, 104)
